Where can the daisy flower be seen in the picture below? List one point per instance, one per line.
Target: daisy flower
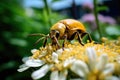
(75, 62)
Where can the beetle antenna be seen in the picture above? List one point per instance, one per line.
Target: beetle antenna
(38, 41)
(38, 34)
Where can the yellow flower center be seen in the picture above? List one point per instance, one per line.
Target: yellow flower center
(75, 50)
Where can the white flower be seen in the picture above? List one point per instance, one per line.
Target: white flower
(63, 75)
(55, 57)
(30, 62)
(56, 75)
(34, 62)
(80, 68)
(101, 64)
(94, 66)
(68, 61)
(85, 63)
(59, 51)
(113, 78)
(76, 79)
(33, 51)
(118, 59)
(43, 53)
(22, 68)
(92, 58)
(41, 72)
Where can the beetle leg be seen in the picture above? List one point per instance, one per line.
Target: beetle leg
(79, 38)
(65, 38)
(56, 41)
(89, 37)
(45, 40)
(73, 36)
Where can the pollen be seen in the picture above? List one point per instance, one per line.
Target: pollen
(76, 51)
(89, 62)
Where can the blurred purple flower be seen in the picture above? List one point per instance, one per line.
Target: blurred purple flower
(89, 18)
(88, 6)
(109, 20)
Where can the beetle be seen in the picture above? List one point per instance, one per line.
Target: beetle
(67, 29)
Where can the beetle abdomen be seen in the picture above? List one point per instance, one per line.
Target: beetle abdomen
(72, 24)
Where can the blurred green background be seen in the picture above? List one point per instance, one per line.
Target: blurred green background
(18, 21)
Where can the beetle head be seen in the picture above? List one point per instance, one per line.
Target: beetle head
(58, 30)
(54, 33)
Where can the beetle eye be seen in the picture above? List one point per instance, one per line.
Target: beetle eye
(57, 34)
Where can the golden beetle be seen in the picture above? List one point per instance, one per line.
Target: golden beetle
(67, 29)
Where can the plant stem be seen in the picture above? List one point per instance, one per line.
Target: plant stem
(48, 10)
(96, 17)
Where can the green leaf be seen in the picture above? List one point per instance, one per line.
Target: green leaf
(102, 8)
(55, 0)
(113, 30)
(8, 65)
(18, 42)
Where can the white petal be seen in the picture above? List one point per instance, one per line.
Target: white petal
(22, 68)
(63, 75)
(83, 66)
(25, 59)
(68, 49)
(54, 75)
(68, 61)
(118, 59)
(109, 68)
(91, 53)
(33, 51)
(34, 62)
(55, 57)
(43, 53)
(59, 51)
(112, 78)
(80, 68)
(102, 62)
(91, 57)
(41, 72)
(77, 79)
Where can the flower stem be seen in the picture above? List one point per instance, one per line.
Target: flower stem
(96, 17)
(48, 10)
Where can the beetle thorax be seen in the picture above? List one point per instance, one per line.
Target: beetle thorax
(59, 27)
